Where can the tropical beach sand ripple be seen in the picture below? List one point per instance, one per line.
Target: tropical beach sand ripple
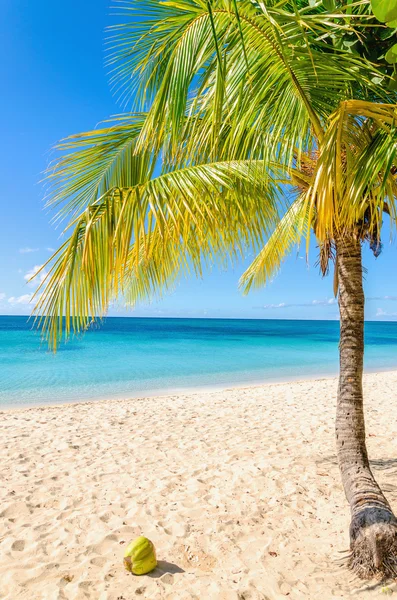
(238, 489)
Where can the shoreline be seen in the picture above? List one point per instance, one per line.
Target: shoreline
(160, 393)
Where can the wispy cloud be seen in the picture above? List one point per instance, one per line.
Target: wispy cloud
(24, 299)
(2, 296)
(281, 305)
(383, 313)
(393, 298)
(326, 302)
(32, 272)
(28, 250)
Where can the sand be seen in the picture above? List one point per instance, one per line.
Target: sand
(238, 489)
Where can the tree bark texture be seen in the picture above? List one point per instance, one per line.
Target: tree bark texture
(373, 528)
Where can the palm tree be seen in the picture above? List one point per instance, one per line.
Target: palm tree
(269, 129)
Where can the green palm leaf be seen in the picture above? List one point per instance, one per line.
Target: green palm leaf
(133, 241)
(91, 163)
(239, 98)
(291, 228)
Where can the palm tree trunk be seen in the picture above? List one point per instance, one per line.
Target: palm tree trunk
(373, 528)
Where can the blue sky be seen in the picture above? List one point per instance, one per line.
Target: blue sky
(55, 84)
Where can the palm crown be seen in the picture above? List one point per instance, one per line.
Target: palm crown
(266, 130)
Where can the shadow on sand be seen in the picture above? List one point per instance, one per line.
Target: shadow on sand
(381, 464)
(165, 567)
(382, 468)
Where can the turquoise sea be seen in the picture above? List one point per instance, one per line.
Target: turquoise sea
(128, 357)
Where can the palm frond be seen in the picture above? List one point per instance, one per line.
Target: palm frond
(291, 228)
(354, 173)
(133, 241)
(94, 162)
(236, 100)
(294, 79)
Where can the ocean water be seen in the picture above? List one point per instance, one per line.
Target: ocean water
(129, 357)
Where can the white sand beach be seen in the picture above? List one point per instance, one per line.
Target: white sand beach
(238, 489)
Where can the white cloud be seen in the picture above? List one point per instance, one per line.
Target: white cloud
(40, 278)
(383, 313)
(25, 299)
(28, 250)
(281, 305)
(327, 302)
(2, 296)
(50, 249)
(393, 298)
(330, 302)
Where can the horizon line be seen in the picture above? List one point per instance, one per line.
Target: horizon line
(209, 318)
